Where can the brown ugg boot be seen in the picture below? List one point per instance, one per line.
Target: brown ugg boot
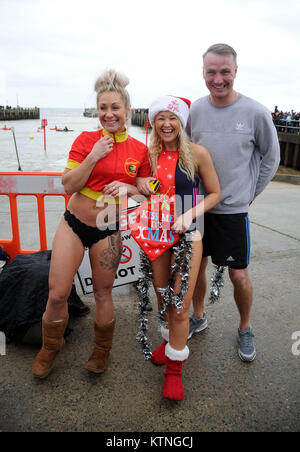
(103, 340)
(53, 341)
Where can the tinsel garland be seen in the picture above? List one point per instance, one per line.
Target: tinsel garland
(181, 266)
(217, 284)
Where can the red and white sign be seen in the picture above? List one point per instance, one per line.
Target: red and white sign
(126, 255)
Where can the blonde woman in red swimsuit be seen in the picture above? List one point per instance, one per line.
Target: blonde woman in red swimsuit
(100, 165)
(179, 165)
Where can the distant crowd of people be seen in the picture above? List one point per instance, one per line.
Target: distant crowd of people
(288, 121)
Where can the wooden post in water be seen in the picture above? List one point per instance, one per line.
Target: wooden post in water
(296, 156)
(13, 132)
(147, 125)
(44, 124)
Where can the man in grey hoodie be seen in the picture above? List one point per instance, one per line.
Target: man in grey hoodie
(242, 140)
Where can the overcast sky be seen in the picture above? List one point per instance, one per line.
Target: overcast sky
(51, 51)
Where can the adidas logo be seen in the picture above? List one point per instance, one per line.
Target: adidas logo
(239, 126)
(230, 259)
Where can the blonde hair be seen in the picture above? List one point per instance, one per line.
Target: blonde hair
(185, 159)
(113, 81)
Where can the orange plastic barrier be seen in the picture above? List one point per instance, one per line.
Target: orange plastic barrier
(14, 184)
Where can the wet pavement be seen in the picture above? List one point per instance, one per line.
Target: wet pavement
(221, 392)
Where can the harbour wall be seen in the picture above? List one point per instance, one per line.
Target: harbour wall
(289, 150)
(90, 112)
(13, 114)
(289, 142)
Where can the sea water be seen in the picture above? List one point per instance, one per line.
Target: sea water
(30, 140)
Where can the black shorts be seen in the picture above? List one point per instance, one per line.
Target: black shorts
(88, 234)
(227, 239)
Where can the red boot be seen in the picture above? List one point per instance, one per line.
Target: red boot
(158, 356)
(173, 388)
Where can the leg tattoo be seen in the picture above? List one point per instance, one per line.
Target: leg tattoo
(110, 256)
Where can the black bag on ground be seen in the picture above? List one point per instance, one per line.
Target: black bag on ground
(3, 259)
(3, 255)
(23, 297)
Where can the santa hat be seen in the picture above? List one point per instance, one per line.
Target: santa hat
(177, 105)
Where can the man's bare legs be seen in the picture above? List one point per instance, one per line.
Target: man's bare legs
(200, 290)
(242, 292)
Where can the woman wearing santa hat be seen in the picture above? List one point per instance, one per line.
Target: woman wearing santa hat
(178, 165)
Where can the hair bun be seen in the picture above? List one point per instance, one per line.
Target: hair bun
(111, 78)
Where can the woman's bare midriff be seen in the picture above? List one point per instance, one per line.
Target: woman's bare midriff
(88, 212)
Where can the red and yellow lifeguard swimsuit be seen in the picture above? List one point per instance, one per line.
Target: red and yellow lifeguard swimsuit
(127, 160)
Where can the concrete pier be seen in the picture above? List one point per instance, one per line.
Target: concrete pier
(90, 112)
(222, 394)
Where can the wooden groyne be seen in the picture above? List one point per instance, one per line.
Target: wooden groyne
(13, 114)
(289, 150)
(289, 142)
(139, 116)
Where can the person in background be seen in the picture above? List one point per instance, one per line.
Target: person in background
(101, 164)
(178, 165)
(242, 140)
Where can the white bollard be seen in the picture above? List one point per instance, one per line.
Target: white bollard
(2, 344)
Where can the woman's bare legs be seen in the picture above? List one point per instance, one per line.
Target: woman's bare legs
(67, 254)
(105, 258)
(161, 275)
(175, 352)
(178, 322)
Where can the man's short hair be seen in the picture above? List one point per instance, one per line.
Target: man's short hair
(222, 49)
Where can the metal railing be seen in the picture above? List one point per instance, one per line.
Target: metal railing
(39, 185)
(284, 126)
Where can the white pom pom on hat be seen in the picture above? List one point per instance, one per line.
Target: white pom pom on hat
(177, 105)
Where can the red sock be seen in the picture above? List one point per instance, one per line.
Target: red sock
(173, 388)
(159, 355)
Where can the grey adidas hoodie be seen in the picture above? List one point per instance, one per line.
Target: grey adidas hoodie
(243, 143)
